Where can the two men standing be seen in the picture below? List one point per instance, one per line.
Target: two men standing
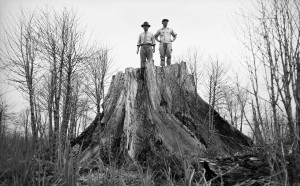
(146, 41)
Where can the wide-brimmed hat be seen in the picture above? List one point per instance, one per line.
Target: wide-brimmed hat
(145, 24)
(165, 20)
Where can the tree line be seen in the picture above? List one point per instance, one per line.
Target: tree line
(61, 72)
(269, 104)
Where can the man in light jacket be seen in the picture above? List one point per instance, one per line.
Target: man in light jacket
(165, 46)
(146, 42)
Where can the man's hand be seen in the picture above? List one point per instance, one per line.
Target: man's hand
(174, 38)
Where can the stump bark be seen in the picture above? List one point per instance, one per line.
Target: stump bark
(156, 112)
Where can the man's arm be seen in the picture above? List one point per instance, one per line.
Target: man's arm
(174, 35)
(138, 44)
(153, 43)
(174, 38)
(156, 36)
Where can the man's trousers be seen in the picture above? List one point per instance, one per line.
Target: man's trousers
(165, 50)
(146, 54)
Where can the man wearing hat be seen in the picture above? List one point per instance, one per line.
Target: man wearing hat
(146, 41)
(165, 46)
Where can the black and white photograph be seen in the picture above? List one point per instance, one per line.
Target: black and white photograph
(149, 92)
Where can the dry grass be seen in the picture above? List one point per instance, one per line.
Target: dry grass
(19, 166)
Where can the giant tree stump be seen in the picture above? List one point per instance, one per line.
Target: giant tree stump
(157, 113)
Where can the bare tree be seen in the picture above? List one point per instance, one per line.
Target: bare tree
(216, 73)
(52, 48)
(80, 104)
(242, 99)
(23, 121)
(296, 82)
(231, 103)
(274, 43)
(97, 71)
(273, 39)
(46, 99)
(4, 116)
(63, 49)
(20, 58)
(193, 58)
(297, 98)
(83, 116)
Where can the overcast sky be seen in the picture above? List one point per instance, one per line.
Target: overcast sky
(209, 25)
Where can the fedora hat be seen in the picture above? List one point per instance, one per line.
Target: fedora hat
(145, 24)
(165, 20)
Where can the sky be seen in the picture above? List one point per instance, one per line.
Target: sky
(209, 25)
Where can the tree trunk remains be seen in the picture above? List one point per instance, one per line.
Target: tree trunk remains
(156, 113)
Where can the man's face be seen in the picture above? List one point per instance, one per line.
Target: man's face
(165, 23)
(145, 28)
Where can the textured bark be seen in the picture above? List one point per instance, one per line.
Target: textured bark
(67, 108)
(297, 98)
(33, 119)
(157, 113)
